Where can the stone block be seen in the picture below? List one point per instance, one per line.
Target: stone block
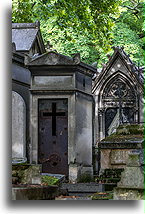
(131, 185)
(74, 173)
(132, 176)
(35, 192)
(105, 158)
(118, 157)
(134, 159)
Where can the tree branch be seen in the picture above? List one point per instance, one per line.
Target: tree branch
(132, 8)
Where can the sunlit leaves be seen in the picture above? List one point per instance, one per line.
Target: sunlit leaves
(90, 27)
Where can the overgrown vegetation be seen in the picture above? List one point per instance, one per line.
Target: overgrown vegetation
(48, 180)
(86, 179)
(87, 26)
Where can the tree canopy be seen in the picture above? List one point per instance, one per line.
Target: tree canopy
(87, 26)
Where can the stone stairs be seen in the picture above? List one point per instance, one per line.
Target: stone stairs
(100, 189)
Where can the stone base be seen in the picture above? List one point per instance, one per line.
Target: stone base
(19, 160)
(34, 192)
(79, 173)
(74, 173)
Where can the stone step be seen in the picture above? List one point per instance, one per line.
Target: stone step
(81, 189)
(86, 189)
(72, 198)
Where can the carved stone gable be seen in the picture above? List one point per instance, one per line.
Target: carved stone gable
(118, 89)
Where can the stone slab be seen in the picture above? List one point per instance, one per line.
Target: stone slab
(34, 192)
(81, 187)
(18, 127)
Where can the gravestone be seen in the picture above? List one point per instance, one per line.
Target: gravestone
(18, 128)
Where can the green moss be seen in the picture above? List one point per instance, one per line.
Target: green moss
(86, 179)
(122, 137)
(102, 196)
(48, 180)
(130, 129)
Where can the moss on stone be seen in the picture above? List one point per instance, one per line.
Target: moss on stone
(25, 172)
(130, 129)
(126, 132)
(102, 196)
(48, 180)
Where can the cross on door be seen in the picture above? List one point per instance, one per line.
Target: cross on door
(53, 114)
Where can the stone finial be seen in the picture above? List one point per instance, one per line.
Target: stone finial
(109, 56)
(37, 24)
(76, 58)
(94, 64)
(49, 47)
(27, 59)
(117, 48)
(13, 47)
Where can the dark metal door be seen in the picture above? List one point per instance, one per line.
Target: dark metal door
(53, 136)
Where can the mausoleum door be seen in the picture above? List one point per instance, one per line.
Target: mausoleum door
(53, 136)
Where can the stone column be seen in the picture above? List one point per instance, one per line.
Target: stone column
(101, 116)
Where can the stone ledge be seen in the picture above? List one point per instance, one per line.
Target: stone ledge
(120, 145)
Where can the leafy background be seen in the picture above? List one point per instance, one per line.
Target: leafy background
(90, 27)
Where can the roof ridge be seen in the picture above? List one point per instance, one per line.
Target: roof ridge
(26, 25)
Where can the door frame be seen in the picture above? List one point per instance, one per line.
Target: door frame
(51, 100)
(34, 115)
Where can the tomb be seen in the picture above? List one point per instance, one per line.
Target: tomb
(61, 109)
(118, 91)
(26, 39)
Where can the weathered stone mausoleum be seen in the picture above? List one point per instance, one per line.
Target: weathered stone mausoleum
(61, 109)
(57, 116)
(118, 91)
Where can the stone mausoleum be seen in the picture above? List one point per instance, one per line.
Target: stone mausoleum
(58, 117)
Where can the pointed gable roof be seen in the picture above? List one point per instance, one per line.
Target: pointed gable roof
(25, 34)
(120, 54)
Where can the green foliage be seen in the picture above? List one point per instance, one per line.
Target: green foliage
(86, 179)
(48, 180)
(70, 41)
(21, 11)
(133, 45)
(87, 26)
